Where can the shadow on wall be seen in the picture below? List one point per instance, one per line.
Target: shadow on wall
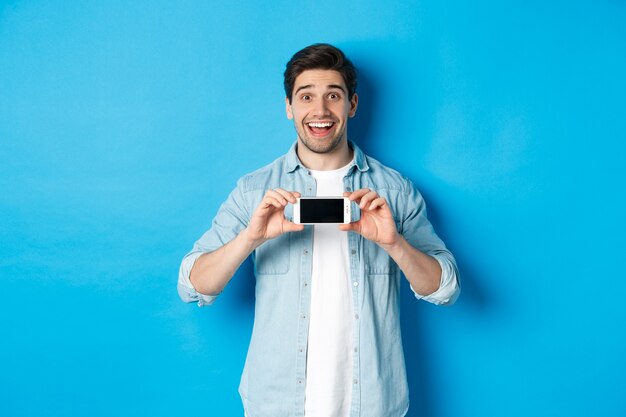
(360, 126)
(421, 372)
(419, 350)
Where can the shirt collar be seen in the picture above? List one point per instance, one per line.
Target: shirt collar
(292, 161)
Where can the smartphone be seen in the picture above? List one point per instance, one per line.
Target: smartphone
(316, 210)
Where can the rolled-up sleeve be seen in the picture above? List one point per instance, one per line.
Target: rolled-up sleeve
(449, 287)
(419, 232)
(186, 290)
(230, 220)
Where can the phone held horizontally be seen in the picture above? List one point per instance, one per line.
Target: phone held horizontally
(321, 210)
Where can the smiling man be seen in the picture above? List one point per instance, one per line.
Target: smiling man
(320, 111)
(326, 339)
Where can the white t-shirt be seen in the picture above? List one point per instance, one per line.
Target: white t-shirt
(329, 354)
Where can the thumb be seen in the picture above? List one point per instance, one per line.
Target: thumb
(292, 227)
(349, 227)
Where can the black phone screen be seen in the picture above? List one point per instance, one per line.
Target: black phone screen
(321, 210)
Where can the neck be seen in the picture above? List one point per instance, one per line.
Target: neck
(335, 159)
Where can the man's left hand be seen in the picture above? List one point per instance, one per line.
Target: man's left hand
(376, 223)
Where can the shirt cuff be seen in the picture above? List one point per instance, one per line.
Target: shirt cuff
(448, 290)
(186, 290)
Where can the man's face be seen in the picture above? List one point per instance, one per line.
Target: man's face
(320, 109)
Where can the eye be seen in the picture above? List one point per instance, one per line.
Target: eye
(333, 96)
(305, 97)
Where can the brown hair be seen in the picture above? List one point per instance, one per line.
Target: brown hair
(320, 56)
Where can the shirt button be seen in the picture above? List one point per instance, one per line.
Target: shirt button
(300, 350)
(356, 349)
(306, 252)
(355, 283)
(348, 188)
(299, 381)
(356, 316)
(306, 284)
(303, 316)
(353, 251)
(355, 381)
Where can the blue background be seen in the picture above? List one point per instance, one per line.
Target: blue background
(123, 126)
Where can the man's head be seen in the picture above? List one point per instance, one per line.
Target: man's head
(320, 85)
(320, 56)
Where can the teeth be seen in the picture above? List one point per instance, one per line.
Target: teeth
(326, 124)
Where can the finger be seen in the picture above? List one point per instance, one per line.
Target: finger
(277, 196)
(358, 194)
(289, 196)
(367, 199)
(270, 201)
(292, 227)
(354, 227)
(378, 203)
(345, 227)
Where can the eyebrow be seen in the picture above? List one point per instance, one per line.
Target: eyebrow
(330, 86)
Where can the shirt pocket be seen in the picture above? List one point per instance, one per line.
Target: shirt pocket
(272, 257)
(377, 261)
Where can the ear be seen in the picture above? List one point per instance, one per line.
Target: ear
(354, 102)
(288, 109)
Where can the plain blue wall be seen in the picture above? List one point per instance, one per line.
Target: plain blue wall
(123, 126)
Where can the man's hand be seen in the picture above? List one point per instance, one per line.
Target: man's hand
(421, 270)
(376, 222)
(213, 270)
(268, 220)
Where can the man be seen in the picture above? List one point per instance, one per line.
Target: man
(326, 338)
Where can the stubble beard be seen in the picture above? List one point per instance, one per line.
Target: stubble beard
(323, 146)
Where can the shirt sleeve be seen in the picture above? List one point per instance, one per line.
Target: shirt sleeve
(230, 220)
(418, 231)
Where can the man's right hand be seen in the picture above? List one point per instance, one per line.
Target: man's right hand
(212, 271)
(268, 220)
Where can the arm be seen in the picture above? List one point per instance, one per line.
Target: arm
(422, 271)
(212, 271)
(427, 265)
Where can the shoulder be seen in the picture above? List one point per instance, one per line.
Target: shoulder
(265, 177)
(384, 177)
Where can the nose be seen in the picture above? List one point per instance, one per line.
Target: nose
(321, 108)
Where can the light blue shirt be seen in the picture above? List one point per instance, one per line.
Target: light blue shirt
(274, 376)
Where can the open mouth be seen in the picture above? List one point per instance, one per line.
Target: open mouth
(320, 129)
